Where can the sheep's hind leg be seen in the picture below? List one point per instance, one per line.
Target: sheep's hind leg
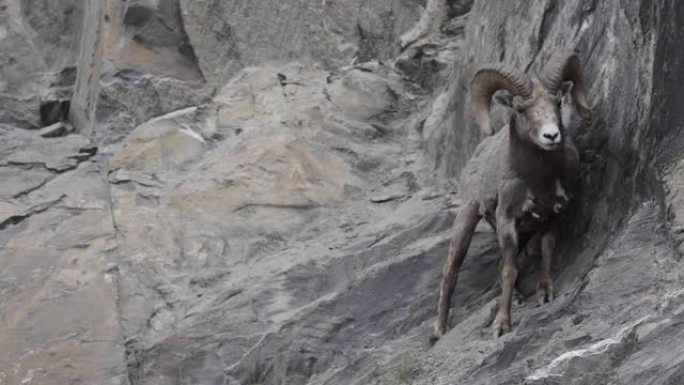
(464, 226)
(545, 285)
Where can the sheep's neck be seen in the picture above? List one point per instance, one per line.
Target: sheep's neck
(538, 168)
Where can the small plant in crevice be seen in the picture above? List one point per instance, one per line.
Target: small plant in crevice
(406, 370)
(256, 374)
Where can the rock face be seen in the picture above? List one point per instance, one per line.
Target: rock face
(39, 41)
(263, 193)
(229, 36)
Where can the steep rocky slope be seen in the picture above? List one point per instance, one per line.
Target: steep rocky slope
(262, 193)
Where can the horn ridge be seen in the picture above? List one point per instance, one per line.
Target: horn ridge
(565, 66)
(489, 79)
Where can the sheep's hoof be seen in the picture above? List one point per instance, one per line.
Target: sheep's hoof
(545, 292)
(518, 297)
(433, 339)
(502, 325)
(440, 329)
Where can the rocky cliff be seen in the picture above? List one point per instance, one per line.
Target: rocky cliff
(241, 192)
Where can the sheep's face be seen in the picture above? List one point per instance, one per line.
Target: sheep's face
(539, 118)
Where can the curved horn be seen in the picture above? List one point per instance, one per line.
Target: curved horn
(487, 81)
(565, 66)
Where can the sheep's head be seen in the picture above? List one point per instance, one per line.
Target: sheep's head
(536, 100)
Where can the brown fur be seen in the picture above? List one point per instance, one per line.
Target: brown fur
(520, 189)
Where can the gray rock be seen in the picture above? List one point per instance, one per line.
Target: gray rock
(59, 311)
(38, 40)
(57, 154)
(228, 37)
(17, 181)
(54, 130)
(228, 230)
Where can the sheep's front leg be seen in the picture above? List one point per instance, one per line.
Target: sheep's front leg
(464, 226)
(508, 244)
(545, 285)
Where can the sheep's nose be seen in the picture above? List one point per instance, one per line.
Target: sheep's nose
(548, 134)
(551, 136)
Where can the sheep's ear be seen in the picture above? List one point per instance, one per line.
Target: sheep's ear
(504, 98)
(519, 103)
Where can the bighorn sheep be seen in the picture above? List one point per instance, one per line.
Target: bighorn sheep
(518, 179)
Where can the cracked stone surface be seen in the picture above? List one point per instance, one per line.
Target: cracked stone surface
(267, 192)
(55, 154)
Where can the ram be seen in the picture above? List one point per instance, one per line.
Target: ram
(519, 180)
